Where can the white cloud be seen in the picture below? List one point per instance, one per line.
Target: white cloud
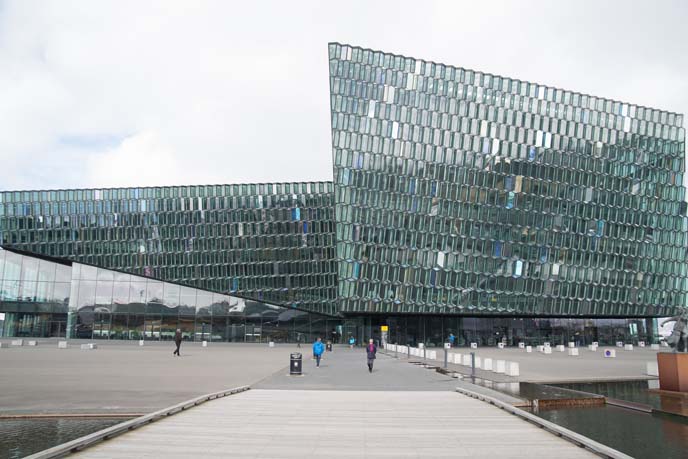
(142, 159)
(221, 92)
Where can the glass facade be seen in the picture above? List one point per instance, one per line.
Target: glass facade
(462, 202)
(434, 330)
(42, 297)
(461, 192)
(270, 242)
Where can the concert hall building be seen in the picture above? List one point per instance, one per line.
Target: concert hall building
(461, 202)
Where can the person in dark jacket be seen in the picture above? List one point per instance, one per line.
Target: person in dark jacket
(371, 350)
(177, 341)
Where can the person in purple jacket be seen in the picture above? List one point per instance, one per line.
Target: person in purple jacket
(371, 350)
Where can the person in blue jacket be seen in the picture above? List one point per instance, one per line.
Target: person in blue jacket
(318, 349)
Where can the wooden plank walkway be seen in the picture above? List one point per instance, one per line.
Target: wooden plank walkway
(351, 424)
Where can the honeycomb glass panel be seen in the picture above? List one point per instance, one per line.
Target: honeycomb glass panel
(500, 199)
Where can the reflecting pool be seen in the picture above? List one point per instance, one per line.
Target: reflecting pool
(23, 437)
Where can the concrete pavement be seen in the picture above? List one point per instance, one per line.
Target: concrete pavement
(560, 367)
(121, 377)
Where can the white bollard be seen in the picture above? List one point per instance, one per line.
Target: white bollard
(204, 344)
(500, 366)
(641, 343)
(521, 345)
(561, 348)
(628, 347)
(512, 369)
(654, 347)
(487, 364)
(500, 345)
(610, 353)
(529, 349)
(541, 348)
(271, 344)
(572, 344)
(596, 344)
(573, 351)
(466, 360)
(619, 344)
(421, 345)
(547, 344)
(593, 347)
(474, 345)
(32, 343)
(548, 350)
(89, 346)
(17, 342)
(457, 359)
(62, 345)
(652, 369)
(140, 342)
(432, 355)
(478, 362)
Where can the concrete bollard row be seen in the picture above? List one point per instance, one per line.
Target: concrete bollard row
(485, 363)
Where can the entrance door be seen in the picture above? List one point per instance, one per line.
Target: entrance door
(203, 329)
(253, 333)
(57, 329)
(151, 329)
(102, 324)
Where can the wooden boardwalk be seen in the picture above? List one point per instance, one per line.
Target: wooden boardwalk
(339, 424)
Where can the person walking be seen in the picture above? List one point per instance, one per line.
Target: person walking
(371, 350)
(452, 339)
(318, 349)
(177, 341)
(352, 341)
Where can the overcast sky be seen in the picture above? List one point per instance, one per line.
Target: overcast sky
(126, 93)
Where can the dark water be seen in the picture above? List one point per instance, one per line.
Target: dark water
(23, 437)
(636, 391)
(637, 434)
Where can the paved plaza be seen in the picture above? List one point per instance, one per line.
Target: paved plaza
(121, 377)
(338, 409)
(561, 367)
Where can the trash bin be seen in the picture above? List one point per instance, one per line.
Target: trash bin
(295, 364)
(328, 346)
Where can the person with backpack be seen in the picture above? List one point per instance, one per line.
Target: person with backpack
(318, 349)
(371, 350)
